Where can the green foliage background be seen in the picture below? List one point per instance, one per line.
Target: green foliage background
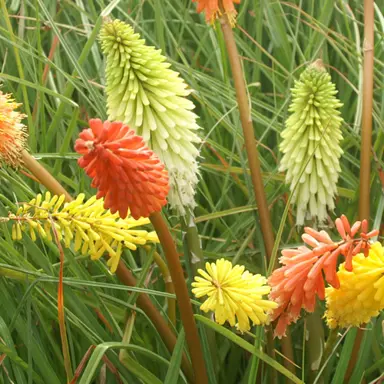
(276, 40)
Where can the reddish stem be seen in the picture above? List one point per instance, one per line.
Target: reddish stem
(183, 299)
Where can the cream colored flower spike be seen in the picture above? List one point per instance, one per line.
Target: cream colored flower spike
(151, 98)
(311, 140)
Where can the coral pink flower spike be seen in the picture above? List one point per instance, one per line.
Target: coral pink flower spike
(123, 169)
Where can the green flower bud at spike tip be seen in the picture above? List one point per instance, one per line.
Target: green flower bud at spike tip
(311, 140)
(145, 94)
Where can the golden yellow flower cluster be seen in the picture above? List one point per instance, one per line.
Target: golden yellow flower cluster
(92, 229)
(361, 292)
(234, 294)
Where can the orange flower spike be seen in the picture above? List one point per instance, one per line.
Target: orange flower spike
(13, 134)
(214, 8)
(123, 169)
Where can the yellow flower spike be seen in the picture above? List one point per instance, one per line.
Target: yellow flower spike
(85, 224)
(233, 294)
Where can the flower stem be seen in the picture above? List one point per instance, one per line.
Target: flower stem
(366, 143)
(43, 175)
(329, 345)
(196, 257)
(249, 136)
(366, 131)
(182, 295)
(61, 310)
(122, 272)
(253, 160)
(168, 286)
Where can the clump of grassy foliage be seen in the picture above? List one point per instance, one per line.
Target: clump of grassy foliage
(53, 64)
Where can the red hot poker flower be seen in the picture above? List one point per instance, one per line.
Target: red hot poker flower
(123, 169)
(300, 280)
(13, 133)
(213, 8)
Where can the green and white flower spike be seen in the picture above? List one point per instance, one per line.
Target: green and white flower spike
(311, 144)
(151, 98)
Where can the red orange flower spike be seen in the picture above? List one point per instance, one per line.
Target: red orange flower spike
(300, 280)
(123, 169)
(213, 8)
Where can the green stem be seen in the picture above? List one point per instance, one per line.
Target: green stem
(168, 287)
(329, 345)
(196, 257)
(315, 343)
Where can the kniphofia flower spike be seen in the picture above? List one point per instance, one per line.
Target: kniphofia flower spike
(145, 93)
(91, 229)
(234, 294)
(312, 138)
(123, 169)
(13, 134)
(214, 8)
(361, 292)
(299, 281)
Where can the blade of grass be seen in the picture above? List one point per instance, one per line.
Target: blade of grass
(19, 64)
(248, 347)
(174, 367)
(137, 369)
